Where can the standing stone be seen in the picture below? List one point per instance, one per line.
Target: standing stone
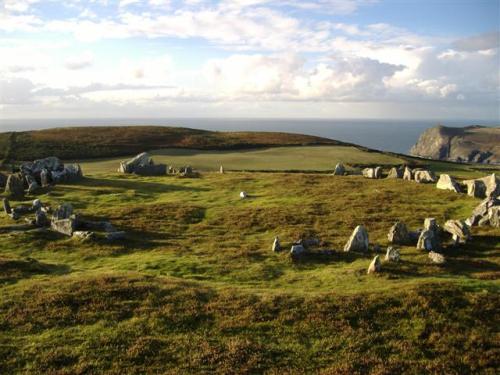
(358, 240)
(14, 186)
(375, 266)
(6, 206)
(44, 178)
(398, 234)
(297, 250)
(494, 216)
(64, 226)
(36, 205)
(221, 170)
(458, 229)
(429, 238)
(437, 257)
(395, 172)
(481, 212)
(64, 211)
(475, 188)
(41, 219)
(339, 170)
(243, 195)
(407, 175)
(392, 254)
(423, 176)
(372, 172)
(446, 182)
(276, 244)
(33, 187)
(492, 184)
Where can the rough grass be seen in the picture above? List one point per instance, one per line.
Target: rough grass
(195, 287)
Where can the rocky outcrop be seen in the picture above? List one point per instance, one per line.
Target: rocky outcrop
(473, 144)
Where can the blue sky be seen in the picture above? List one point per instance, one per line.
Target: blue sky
(250, 58)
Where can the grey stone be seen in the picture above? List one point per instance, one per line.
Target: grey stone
(458, 229)
(64, 226)
(372, 172)
(358, 240)
(297, 250)
(437, 257)
(41, 219)
(494, 216)
(392, 254)
(140, 160)
(151, 170)
(64, 211)
(428, 240)
(276, 244)
(486, 187)
(44, 178)
(398, 234)
(15, 186)
(424, 176)
(339, 170)
(446, 182)
(37, 204)
(375, 266)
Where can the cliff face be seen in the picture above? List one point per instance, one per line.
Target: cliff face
(475, 144)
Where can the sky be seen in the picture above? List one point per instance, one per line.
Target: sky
(382, 59)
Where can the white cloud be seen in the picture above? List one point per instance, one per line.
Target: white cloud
(82, 61)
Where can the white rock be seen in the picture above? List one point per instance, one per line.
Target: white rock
(446, 182)
(243, 195)
(375, 266)
(437, 257)
(358, 240)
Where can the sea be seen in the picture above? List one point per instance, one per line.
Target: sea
(386, 135)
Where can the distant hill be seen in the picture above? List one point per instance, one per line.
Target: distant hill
(97, 142)
(475, 144)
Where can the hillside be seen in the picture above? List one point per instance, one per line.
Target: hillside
(475, 144)
(98, 142)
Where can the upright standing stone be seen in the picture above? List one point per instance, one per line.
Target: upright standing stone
(392, 254)
(358, 240)
(429, 238)
(243, 195)
(221, 170)
(423, 176)
(407, 175)
(446, 182)
(398, 234)
(339, 170)
(44, 178)
(375, 266)
(14, 186)
(41, 219)
(6, 206)
(395, 172)
(276, 244)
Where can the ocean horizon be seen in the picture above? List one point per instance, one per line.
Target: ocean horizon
(393, 135)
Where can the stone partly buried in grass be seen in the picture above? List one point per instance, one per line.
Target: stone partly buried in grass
(358, 241)
(15, 186)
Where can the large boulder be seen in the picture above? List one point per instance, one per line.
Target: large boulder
(372, 172)
(458, 229)
(396, 172)
(424, 176)
(398, 234)
(486, 187)
(339, 170)
(375, 266)
(15, 186)
(140, 160)
(358, 241)
(481, 214)
(446, 182)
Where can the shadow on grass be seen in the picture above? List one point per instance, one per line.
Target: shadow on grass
(17, 269)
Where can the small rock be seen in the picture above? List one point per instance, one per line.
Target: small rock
(375, 266)
(428, 240)
(84, 235)
(243, 195)
(358, 240)
(44, 178)
(392, 254)
(437, 257)
(276, 244)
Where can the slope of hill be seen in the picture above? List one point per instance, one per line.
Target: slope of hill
(94, 142)
(475, 144)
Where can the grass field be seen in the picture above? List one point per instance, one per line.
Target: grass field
(315, 158)
(195, 288)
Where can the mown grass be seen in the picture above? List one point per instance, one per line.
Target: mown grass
(195, 287)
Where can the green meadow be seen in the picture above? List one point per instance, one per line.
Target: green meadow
(195, 287)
